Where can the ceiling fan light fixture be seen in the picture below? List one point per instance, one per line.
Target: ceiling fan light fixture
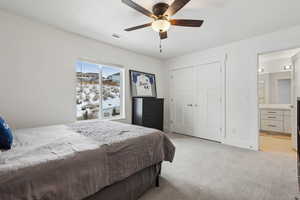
(161, 25)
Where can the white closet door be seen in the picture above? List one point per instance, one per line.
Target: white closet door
(182, 92)
(208, 103)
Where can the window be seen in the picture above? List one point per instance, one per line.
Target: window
(111, 92)
(99, 91)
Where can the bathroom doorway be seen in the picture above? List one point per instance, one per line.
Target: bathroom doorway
(278, 89)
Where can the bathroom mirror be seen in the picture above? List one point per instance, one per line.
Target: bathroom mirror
(275, 88)
(284, 91)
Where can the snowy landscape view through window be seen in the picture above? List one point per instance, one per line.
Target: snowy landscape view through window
(98, 91)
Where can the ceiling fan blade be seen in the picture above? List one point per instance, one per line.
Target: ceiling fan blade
(175, 7)
(138, 27)
(186, 22)
(163, 35)
(139, 8)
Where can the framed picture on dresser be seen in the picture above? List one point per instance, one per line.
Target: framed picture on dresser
(142, 84)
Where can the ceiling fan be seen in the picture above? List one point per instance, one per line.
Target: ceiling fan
(161, 13)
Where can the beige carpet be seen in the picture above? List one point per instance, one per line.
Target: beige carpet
(204, 170)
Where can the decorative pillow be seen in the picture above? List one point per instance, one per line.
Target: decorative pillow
(6, 137)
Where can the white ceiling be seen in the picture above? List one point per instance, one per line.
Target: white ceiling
(225, 21)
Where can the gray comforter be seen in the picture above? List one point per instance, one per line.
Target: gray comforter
(74, 161)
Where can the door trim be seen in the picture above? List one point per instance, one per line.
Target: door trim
(293, 99)
(222, 59)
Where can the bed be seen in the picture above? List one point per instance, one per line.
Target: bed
(84, 160)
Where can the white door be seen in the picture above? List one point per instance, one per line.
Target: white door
(208, 109)
(182, 91)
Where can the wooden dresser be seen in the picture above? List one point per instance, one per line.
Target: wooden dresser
(148, 112)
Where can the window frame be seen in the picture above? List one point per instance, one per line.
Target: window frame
(122, 88)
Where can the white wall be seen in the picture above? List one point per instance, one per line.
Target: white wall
(37, 71)
(241, 80)
(37, 74)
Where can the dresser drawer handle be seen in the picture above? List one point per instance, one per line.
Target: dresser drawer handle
(272, 117)
(272, 126)
(272, 112)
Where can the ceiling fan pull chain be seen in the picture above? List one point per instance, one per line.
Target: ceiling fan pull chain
(160, 47)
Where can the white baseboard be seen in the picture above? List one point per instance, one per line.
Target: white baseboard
(241, 144)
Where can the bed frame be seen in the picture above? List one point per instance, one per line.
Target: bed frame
(132, 187)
